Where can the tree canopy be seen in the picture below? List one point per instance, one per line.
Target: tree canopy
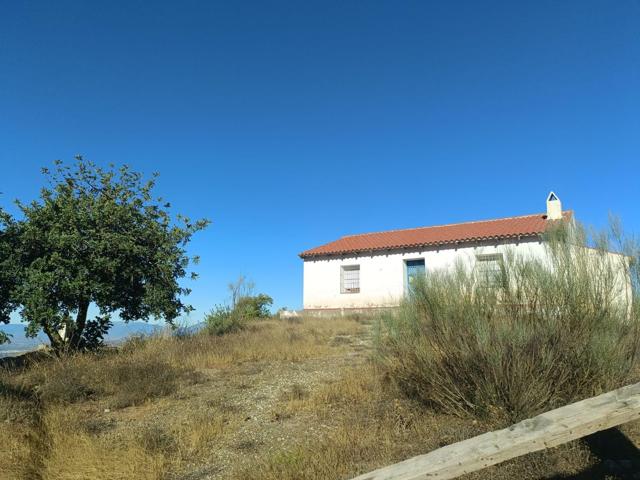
(95, 237)
(8, 274)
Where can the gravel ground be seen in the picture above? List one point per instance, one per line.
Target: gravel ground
(252, 400)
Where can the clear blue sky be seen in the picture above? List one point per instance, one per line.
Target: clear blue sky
(289, 124)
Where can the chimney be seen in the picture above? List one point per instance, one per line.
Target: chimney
(554, 207)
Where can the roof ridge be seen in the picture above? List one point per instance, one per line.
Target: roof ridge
(452, 224)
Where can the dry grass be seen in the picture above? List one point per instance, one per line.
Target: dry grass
(366, 426)
(265, 340)
(71, 453)
(372, 424)
(16, 457)
(281, 400)
(269, 341)
(56, 414)
(199, 434)
(127, 378)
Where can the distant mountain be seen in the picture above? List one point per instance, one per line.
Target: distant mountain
(189, 329)
(118, 332)
(18, 340)
(122, 330)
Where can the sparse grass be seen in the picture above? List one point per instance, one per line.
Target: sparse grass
(127, 378)
(372, 424)
(156, 367)
(69, 453)
(268, 341)
(143, 379)
(297, 392)
(279, 400)
(200, 433)
(59, 415)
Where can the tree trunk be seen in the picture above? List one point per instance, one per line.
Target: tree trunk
(81, 320)
(55, 339)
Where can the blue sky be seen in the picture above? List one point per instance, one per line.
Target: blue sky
(289, 124)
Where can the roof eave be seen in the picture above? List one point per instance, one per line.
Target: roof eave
(308, 254)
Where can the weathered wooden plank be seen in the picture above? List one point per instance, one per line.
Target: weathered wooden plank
(544, 431)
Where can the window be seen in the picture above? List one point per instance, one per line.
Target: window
(490, 270)
(350, 279)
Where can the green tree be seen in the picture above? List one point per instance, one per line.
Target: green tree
(98, 237)
(8, 274)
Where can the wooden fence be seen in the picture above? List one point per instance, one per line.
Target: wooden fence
(538, 433)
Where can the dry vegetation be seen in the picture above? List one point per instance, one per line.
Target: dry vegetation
(529, 335)
(279, 400)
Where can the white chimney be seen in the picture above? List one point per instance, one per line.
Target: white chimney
(554, 207)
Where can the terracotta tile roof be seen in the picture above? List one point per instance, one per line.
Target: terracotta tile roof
(503, 228)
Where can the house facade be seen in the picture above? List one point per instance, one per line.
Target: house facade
(374, 270)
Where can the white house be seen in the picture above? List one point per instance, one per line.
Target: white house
(373, 270)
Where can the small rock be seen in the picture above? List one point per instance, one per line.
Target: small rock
(106, 410)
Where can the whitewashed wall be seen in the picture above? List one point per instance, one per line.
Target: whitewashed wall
(382, 275)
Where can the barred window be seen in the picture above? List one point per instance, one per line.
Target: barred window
(490, 270)
(350, 279)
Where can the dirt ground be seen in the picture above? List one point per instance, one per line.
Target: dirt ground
(256, 404)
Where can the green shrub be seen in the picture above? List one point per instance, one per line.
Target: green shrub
(222, 320)
(549, 334)
(254, 306)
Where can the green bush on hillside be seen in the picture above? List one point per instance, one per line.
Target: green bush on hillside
(254, 306)
(224, 319)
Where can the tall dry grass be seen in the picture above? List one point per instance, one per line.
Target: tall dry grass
(550, 332)
(51, 410)
(67, 451)
(263, 340)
